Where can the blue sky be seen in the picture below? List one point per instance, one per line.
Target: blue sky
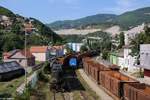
(51, 10)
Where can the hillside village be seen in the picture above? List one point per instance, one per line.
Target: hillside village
(32, 45)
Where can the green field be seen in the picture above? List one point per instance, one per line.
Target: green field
(11, 86)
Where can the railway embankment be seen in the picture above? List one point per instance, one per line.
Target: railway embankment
(92, 84)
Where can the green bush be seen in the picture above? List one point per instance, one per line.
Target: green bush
(46, 68)
(42, 76)
(105, 55)
(83, 48)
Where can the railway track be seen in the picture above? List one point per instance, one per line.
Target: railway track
(68, 94)
(64, 95)
(54, 96)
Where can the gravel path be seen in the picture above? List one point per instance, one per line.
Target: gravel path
(94, 86)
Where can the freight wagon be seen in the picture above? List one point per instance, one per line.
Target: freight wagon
(137, 91)
(113, 81)
(116, 83)
(93, 68)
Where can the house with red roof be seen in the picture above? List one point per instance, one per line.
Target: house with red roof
(40, 52)
(25, 59)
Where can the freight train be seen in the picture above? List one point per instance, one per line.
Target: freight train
(114, 82)
(56, 82)
(59, 65)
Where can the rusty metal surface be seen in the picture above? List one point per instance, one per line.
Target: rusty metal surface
(116, 82)
(136, 91)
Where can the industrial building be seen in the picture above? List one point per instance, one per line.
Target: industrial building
(10, 70)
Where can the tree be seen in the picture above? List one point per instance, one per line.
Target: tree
(142, 38)
(12, 41)
(16, 27)
(69, 50)
(105, 55)
(121, 40)
(103, 43)
(83, 48)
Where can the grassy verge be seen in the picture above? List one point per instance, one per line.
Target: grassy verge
(39, 92)
(76, 95)
(11, 86)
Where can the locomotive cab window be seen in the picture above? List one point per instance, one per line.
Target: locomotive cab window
(73, 62)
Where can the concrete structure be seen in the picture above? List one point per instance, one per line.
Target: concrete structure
(20, 57)
(145, 58)
(92, 40)
(40, 52)
(75, 46)
(31, 80)
(129, 61)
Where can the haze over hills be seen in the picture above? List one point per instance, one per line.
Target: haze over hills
(125, 20)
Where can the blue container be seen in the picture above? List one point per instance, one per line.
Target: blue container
(73, 62)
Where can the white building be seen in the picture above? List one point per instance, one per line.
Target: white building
(129, 61)
(75, 46)
(145, 59)
(40, 52)
(145, 56)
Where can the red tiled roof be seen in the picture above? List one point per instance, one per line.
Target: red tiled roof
(38, 49)
(10, 54)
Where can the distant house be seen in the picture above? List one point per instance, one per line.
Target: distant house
(145, 58)
(19, 56)
(117, 58)
(129, 61)
(124, 59)
(75, 46)
(40, 52)
(5, 21)
(10, 70)
(56, 50)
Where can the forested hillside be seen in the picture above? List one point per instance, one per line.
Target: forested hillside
(12, 31)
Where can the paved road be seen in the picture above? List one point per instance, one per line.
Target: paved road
(94, 86)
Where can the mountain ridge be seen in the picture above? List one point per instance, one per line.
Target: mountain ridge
(124, 20)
